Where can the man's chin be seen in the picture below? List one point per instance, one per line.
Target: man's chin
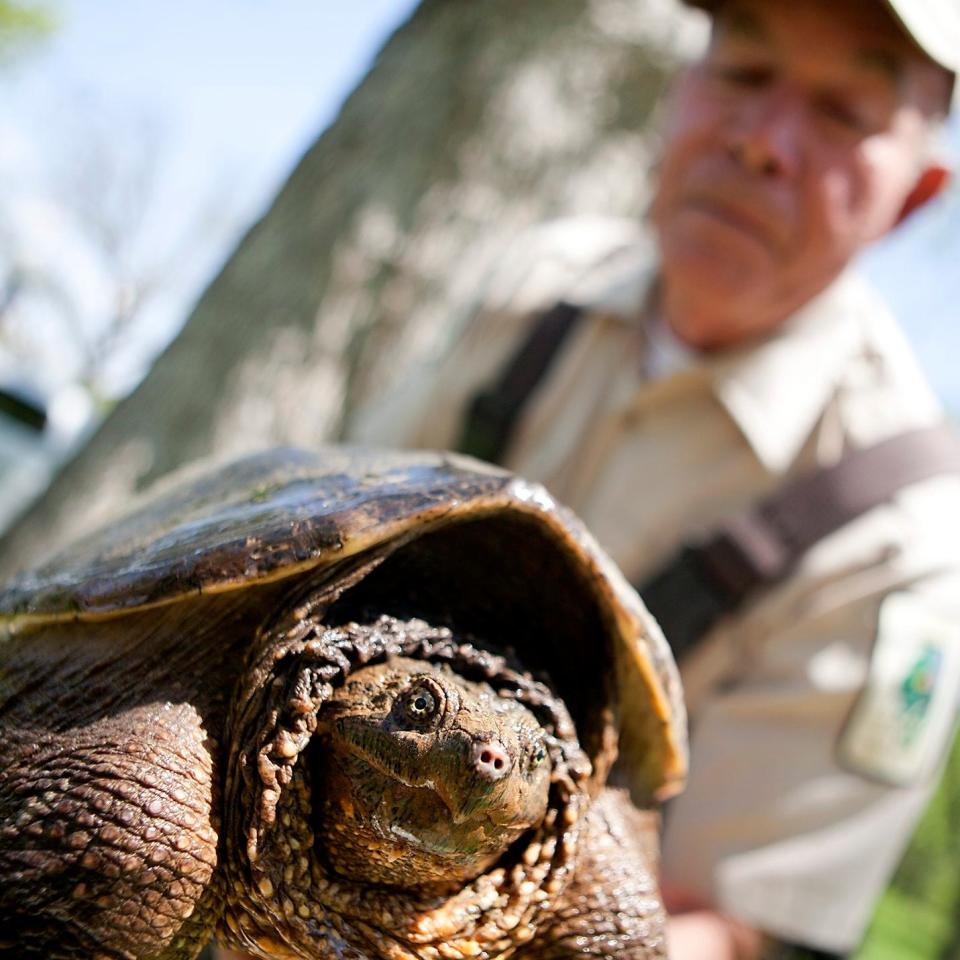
(712, 305)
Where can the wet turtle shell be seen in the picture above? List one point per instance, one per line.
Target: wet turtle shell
(446, 520)
(298, 546)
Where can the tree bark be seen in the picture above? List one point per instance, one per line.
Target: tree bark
(477, 120)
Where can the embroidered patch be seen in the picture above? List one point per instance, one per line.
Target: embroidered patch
(901, 725)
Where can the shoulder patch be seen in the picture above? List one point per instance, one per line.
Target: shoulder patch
(902, 724)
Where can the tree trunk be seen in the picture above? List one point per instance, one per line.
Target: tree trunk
(478, 119)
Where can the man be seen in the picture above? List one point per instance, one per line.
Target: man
(700, 379)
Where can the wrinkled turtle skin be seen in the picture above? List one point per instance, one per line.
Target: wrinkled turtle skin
(338, 705)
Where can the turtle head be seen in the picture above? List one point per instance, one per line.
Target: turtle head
(427, 778)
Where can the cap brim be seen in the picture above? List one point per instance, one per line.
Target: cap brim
(933, 25)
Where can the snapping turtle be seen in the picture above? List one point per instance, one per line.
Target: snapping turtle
(337, 705)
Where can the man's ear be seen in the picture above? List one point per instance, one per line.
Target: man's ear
(930, 184)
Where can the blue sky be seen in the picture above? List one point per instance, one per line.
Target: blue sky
(235, 90)
(231, 91)
(243, 84)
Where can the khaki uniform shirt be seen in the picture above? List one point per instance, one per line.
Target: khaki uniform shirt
(771, 828)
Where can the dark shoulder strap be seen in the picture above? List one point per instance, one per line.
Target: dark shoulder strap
(493, 413)
(759, 547)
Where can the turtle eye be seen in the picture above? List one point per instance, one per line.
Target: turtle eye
(537, 756)
(421, 703)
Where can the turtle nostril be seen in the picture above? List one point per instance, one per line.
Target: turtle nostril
(491, 759)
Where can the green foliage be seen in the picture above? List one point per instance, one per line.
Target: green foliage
(22, 25)
(919, 916)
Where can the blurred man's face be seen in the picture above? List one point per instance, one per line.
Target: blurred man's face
(792, 144)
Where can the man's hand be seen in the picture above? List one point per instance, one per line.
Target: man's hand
(708, 935)
(696, 931)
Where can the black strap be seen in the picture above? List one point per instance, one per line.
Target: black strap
(759, 547)
(493, 413)
(752, 550)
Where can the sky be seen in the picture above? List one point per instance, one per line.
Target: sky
(220, 99)
(223, 95)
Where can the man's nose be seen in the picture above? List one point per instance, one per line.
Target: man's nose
(766, 135)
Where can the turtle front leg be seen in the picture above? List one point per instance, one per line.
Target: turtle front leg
(109, 784)
(612, 908)
(106, 846)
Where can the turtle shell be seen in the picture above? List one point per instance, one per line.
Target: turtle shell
(438, 536)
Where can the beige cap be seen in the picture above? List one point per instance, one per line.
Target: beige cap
(934, 25)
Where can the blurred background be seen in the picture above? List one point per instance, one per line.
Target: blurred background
(205, 164)
(137, 142)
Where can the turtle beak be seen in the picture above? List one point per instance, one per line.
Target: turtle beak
(487, 764)
(490, 759)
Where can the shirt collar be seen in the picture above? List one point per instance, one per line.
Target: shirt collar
(774, 389)
(777, 388)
